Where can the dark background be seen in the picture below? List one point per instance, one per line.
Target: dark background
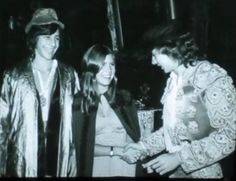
(213, 23)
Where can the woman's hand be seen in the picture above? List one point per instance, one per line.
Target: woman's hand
(133, 152)
(163, 163)
(131, 156)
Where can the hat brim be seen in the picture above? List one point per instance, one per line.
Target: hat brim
(30, 24)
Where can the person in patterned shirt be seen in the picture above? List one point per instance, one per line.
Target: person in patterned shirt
(199, 109)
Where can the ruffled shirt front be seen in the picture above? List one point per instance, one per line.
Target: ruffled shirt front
(169, 109)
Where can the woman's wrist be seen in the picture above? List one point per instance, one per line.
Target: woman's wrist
(117, 151)
(111, 151)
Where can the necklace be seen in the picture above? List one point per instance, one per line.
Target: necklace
(44, 89)
(44, 86)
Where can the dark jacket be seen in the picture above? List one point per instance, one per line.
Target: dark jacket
(84, 129)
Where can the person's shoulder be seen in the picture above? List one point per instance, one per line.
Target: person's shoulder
(210, 68)
(206, 73)
(17, 70)
(124, 96)
(66, 67)
(68, 71)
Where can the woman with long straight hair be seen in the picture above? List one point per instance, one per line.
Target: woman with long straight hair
(105, 119)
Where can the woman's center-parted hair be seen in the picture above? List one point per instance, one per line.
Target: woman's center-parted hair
(38, 30)
(94, 58)
(93, 61)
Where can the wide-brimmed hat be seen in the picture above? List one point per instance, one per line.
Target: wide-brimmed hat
(43, 16)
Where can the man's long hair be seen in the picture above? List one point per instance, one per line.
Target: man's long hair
(173, 39)
(37, 30)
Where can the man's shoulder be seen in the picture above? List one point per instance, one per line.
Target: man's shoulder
(206, 73)
(65, 67)
(17, 71)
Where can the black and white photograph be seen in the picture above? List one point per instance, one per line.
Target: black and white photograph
(118, 89)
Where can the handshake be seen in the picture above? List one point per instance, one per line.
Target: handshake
(161, 164)
(134, 152)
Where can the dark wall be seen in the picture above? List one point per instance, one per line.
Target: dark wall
(85, 24)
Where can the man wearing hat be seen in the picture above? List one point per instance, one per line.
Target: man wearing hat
(36, 106)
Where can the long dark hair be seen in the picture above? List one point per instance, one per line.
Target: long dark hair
(37, 30)
(173, 39)
(92, 62)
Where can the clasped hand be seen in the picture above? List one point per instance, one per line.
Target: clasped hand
(161, 164)
(133, 152)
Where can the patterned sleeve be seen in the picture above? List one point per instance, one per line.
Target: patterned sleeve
(154, 143)
(220, 101)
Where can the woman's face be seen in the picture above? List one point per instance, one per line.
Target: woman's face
(47, 45)
(107, 72)
(165, 62)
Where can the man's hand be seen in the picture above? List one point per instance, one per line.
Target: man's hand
(163, 163)
(133, 152)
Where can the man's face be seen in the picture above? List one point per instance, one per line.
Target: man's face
(165, 62)
(47, 45)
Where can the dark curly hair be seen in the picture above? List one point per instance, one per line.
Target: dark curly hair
(172, 39)
(37, 30)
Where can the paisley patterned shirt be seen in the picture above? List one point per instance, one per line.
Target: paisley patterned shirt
(199, 120)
